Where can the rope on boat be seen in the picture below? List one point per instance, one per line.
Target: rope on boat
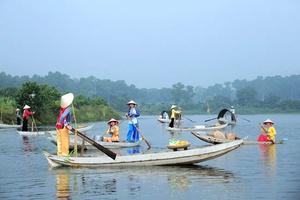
(68, 157)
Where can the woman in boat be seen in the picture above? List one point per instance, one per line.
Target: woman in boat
(133, 113)
(174, 112)
(62, 125)
(113, 131)
(26, 114)
(18, 115)
(269, 132)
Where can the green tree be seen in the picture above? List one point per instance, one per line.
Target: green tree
(42, 99)
(246, 95)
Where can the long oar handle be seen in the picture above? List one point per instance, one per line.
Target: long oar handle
(244, 119)
(189, 119)
(95, 144)
(210, 119)
(34, 124)
(140, 133)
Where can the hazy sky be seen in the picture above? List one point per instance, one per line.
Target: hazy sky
(151, 44)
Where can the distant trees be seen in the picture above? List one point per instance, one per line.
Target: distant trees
(268, 92)
(246, 96)
(182, 93)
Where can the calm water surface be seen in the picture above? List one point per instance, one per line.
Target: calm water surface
(250, 172)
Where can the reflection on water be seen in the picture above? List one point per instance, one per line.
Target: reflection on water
(62, 184)
(134, 185)
(26, 144)
(133, 150)
(268, 158)
(112, 182)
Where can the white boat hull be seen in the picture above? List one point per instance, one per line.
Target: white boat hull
(121, 144)
(10, 126)
(197, 128)
(168, 120)
(183, 157)
(37, 133)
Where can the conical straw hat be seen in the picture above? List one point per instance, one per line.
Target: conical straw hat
(66, 100)
(268, 121)
(26, 107)
(112, 120)
(131, 102)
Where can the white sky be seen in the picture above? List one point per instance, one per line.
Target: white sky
(151, 44)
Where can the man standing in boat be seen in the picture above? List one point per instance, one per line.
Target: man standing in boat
(63, 120)
(26, 114)
(174, 112)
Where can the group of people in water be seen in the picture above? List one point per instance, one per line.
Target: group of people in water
(64, 119)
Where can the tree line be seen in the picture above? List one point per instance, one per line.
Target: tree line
(262, 95)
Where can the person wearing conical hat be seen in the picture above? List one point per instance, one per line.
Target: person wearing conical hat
(133, 113)
(269, 132)
(18, 115)
(26, 114)
(62, 125)
(173, 113)
(113, 131)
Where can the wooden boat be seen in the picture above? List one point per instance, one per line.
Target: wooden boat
(168, 120)
(30, 133)
(121, 144)
(222, 118)
(226, 121)
(10, 126)
(80, 128)
(168, 157)
(198, 128)
(214, 140)
(37, 133)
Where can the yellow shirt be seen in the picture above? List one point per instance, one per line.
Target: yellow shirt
(114, 131)
(270, 131)
(175, 112)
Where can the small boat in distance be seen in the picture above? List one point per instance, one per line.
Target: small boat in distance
(198, 128)
(210, 138)
(10, 126)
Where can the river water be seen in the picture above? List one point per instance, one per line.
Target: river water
(249, 172)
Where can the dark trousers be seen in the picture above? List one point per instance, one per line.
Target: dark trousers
(171, 123)
(18, 121)
(25, 125)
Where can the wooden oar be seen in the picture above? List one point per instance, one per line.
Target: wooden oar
(243, 118)
(95, 144)
(210, 119)
(267, 133)
(189, 119)
(34, 124)
(140, 133)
